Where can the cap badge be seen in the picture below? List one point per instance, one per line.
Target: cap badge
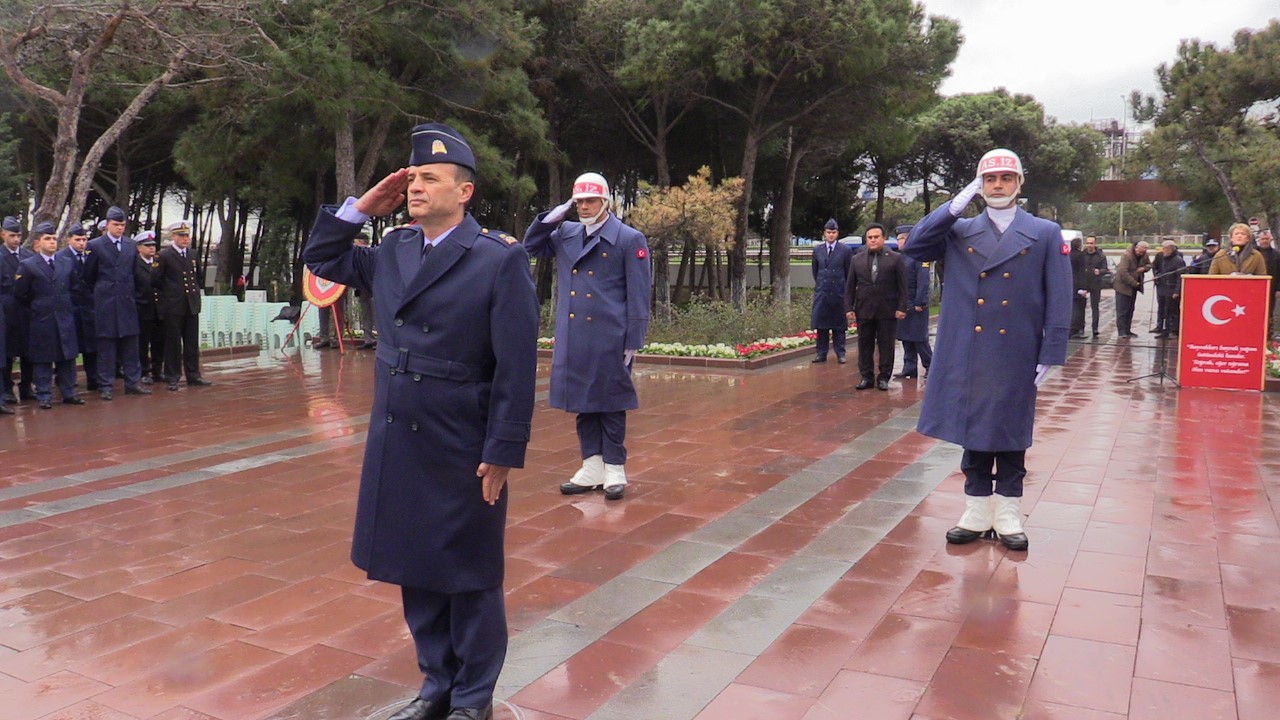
(437, 148)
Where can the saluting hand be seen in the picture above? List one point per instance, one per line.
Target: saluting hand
(387, 196)
(492, 478)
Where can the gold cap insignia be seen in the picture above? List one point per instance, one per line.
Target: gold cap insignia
(437, 148)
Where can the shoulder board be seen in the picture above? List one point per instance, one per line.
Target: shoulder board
(17, 277)
(925, 264)
(499, 236)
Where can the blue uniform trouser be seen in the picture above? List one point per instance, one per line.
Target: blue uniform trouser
(65, 371)
(126, 349)
(461, 640)
(1010, 467)
(603, 434)
(836, 338)
(913, 350)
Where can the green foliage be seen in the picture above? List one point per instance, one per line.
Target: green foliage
(13, 184)
(706, 321)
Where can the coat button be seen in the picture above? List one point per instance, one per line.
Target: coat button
(399, 322)
(575, 271)
(1024, 251)
(573, 293)
(970, 248)
(1003, 331)
(390, 418)
(1005, 303)
(393, 371)
(588, 296)
(413, 426)
(588, 318)
(570, 316)
(977, 328)
(426, 328)
(604, 254)
(1007, 276)
(484, 230)
(981, 301)
(417, 377)
(591, 272)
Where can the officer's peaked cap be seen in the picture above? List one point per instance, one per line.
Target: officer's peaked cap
(179, 227)
(439, 143)
(146, 237)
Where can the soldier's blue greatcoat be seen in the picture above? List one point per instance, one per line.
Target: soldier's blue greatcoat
(45, 295)
(602, 310)
(456, 363)
(82, 298)
(1006, 307)
(830, 270)
(15, 322)
(110, 273)
(915, 326)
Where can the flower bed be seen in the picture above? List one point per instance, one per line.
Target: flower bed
(742, 351)
(1273, 359)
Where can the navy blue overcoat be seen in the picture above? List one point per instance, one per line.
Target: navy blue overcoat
(82, 298)
(602, 310)
(830, 270)
(110, 273)
(15, 320)
(45, 295)
(915, 326)
(1006, 307)
(455, 371)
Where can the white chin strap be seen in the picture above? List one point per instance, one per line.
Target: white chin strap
(1001, 203)
(604, 210)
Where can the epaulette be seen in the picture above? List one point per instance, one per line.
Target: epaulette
(925, 264)
(499, 236)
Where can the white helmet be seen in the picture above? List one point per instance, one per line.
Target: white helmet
(590, 185)
(1000, 160)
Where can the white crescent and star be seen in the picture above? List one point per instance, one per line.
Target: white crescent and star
(1207, 310)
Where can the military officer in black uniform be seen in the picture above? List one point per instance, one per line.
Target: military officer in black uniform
(15, 322)
(109, 271)
(146, 281)
(43, 287)
(178, 302)
(453, 401)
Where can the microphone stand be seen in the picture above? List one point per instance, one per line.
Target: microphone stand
(1162, 338)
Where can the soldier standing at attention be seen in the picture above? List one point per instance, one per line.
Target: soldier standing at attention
(830, 268)
(602, 315)
(82, 299)
(15, 322)
(1006, 313)
(43, 287)
(178, 302)
(109, 271)
(150, 332)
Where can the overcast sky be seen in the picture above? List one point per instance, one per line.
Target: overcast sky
(1079, 57)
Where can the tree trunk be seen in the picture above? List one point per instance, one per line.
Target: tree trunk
(780, 240)
(927, 209)
(882, 179)
(227, 216)
(738, 253)
(54, 197)
(1224, 180)
(688, 256)
(661, 279)
(344, 154)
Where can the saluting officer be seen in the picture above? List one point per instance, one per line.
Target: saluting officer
(146, 282)
(602, 315)
(1006, 313)
(830, 269)
(43, 287)
(14, 320)
(109, 271)
(82, 299)
(453, 402)
(178, 302)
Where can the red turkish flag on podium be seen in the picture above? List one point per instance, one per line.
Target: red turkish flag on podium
(1224, 331)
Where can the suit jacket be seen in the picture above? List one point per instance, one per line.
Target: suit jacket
(830, 271)
(880, 298)
(82, 299)
(110, 273)
(179, 289)
(454, 384)
(15, 320)
(45, 295)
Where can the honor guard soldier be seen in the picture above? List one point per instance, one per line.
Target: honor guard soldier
(109, 271)
(82, 299)
(830, 269)
(453, 400)
(1006, 313)
(178, 302)
(15, 322)
(602, 315)
(43, 287)
(146, 282)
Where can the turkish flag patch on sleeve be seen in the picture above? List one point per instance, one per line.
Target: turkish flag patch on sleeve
(642, 253)
(1066, 249)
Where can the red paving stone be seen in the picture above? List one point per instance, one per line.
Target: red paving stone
(1149, 591)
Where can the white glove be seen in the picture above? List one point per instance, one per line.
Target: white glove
(1082, 293)
(558, 213)
(961, 201)
(1042, 372)
(628, 356)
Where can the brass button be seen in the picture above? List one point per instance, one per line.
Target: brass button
(484, 230)
(570, 316)
(573, 293)
(1024, 251)
(588, 296)
(981, 301)
(399, 322)
(982, 274)
(575, 271)
(588, 318)
(977, 328)
(1004, 303)
(604, 254)
(591, 272)
(1003, 331)
(1007, 276)
(970, 248)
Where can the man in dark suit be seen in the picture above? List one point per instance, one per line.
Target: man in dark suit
(15, 322)
(178, 302)
(109, 271)
(830, 271)
(82, 299)
(875, 294)
(43, 287)
(453, 401)
(146, 279)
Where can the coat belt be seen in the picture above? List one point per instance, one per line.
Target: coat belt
(402, 360)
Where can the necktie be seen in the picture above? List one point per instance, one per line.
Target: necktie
(426, 250)
(117, 242)
(50, 261)
(875, 266)
(80, 257)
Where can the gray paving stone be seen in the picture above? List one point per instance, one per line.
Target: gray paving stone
(611, 604)
(801, 577)
(730, 530)
(876, 513)
(774, 503)
(750, 624)
(677, 562)
(678, 688)
(847, 543)
(536, 651)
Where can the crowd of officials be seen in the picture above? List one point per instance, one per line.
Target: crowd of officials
(125, 308)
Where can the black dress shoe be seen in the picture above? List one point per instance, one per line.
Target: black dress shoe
(960, 536)
(570, 488)
(147, 380)
(615, 492)
(1016, 541)
(105, 394)
(199, 382)
(367, 346)
(173, 386)
(136, 391)
(818, 360)
(840, 360)
(882, 385)
(904, 376)
(864, 385)
(5, 409)
(484, 713)
(320, 345)
(73, 400)
(46, 404)
(1096, 333)
(420, 709)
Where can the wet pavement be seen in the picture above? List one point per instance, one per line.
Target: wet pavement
(779, 555)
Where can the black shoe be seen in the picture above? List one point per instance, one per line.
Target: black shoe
(146, 380)
(1096, 333)
(1016, 541)
(615, 492)
(818, 360)
(77, 400)
(367, 346)
(1162, 336)
(5, 409)
(46, 404)
(199, 382)
(840, 359)
(105, 395)
(135, 390)
(882, 385)
(484, 713)
(420, 709)
(866, 384)
(9, 398)
(570, 488)
(320, 345)
(173, 386)
(959, 536)
(91, 387)
(27, 394)
(1077, 335)
(905, 375)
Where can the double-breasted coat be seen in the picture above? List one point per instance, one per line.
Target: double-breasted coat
(602, 310)
(82, 299)
(830, 269)
(15, 320)
(454, 385)
(880, 297)
(915, 326)
(110, 273)
(177, 287)
(1006, 307)
(45, 295)
(146, 283)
